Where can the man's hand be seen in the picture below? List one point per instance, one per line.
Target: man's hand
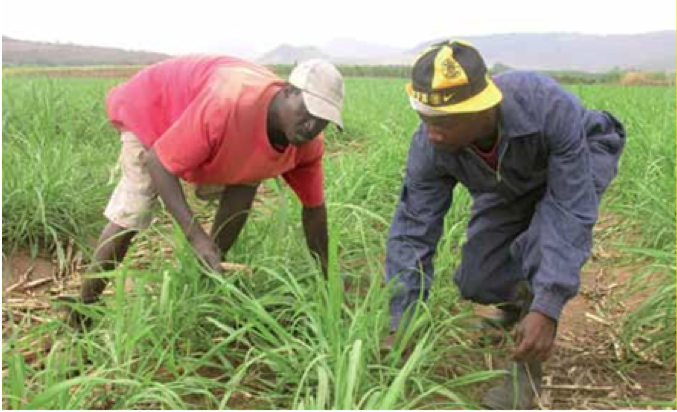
(207, 250)
(315, 230)
(534, 338)
(172, 195)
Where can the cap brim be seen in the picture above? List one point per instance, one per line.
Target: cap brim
(321, 108)
(489, 97)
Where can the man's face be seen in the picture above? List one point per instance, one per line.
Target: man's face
(300, 127)
(455, 132)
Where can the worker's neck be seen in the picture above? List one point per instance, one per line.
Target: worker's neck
(276, 137)
(487, 143)
(490, 135)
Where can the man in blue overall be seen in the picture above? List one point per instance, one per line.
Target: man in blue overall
(536, 163)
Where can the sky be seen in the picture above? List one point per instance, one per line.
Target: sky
(252, 27)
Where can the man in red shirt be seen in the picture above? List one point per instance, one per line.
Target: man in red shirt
(218, 122)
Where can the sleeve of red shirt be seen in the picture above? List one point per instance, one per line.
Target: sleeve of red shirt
(307, 178)
(194, 137)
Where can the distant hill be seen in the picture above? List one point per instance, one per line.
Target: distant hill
(654, 51)
(352, 49)
(556, 51)
(23, 52)
(288, 54)
(540, 51)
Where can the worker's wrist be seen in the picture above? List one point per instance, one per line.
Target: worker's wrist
(548, 303)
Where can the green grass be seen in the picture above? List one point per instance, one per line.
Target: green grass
(286, 339)
(58, 154)
(281, 337)
(644, 193)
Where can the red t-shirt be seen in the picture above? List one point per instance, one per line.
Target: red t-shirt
(490, 157)
(206, 119)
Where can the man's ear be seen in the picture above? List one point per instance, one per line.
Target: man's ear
(290, 90)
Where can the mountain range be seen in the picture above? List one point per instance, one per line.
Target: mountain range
(33, 53)
(654, 51)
